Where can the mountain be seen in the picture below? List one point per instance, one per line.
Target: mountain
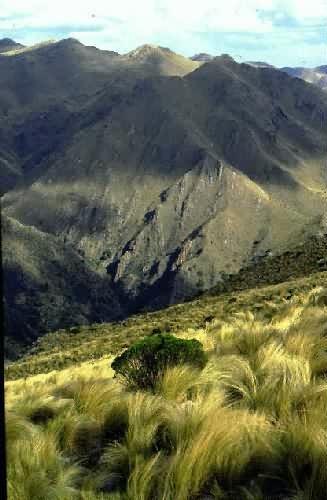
(317, 75)
(161, 182)
(47, 285)
(7, 45)
(42, 87)
(69, 70)
(202, 57)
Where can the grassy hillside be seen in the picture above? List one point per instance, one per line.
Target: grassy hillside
(303, 260)
(268, 269)
(251, 425)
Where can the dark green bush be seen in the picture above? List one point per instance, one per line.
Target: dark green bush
(141, 365)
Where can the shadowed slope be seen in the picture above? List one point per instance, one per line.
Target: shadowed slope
(48, 285)
(167, 182)
(41, 87)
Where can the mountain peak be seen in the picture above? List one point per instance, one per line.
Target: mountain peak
(7, 44)
(226, 57)
(159, 60)
(69, 42)
(147, 50)
(7, 41)
(202, 57)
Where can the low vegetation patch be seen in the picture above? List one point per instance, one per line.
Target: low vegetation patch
(141, 365)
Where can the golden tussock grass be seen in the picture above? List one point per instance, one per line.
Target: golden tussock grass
(252, 424)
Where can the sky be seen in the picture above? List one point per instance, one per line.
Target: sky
(280, 32)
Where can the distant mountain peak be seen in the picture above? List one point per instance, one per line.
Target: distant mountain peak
(227, 56)
(69, 41)
(7, 44)
(259, 64)
(7, 41)
(147, 50)
(202, 57)
(160, 60)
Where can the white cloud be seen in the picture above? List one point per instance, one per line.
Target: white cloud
(304, 10)
(124, 24)
(154, 15)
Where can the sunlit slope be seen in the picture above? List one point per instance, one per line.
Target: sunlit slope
(158, 60)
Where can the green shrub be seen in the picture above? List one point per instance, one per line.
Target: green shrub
(142, 364)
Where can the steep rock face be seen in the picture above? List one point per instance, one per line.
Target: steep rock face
(213, 220)
(163, 183)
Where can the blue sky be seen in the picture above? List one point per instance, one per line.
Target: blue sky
(281, 32)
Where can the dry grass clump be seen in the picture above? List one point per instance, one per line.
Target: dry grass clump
(251, 425)
(37, 470)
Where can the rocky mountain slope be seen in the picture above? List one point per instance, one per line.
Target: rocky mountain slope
(317, 75)
(163, 175)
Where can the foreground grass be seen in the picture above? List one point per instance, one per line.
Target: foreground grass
(251, 425)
